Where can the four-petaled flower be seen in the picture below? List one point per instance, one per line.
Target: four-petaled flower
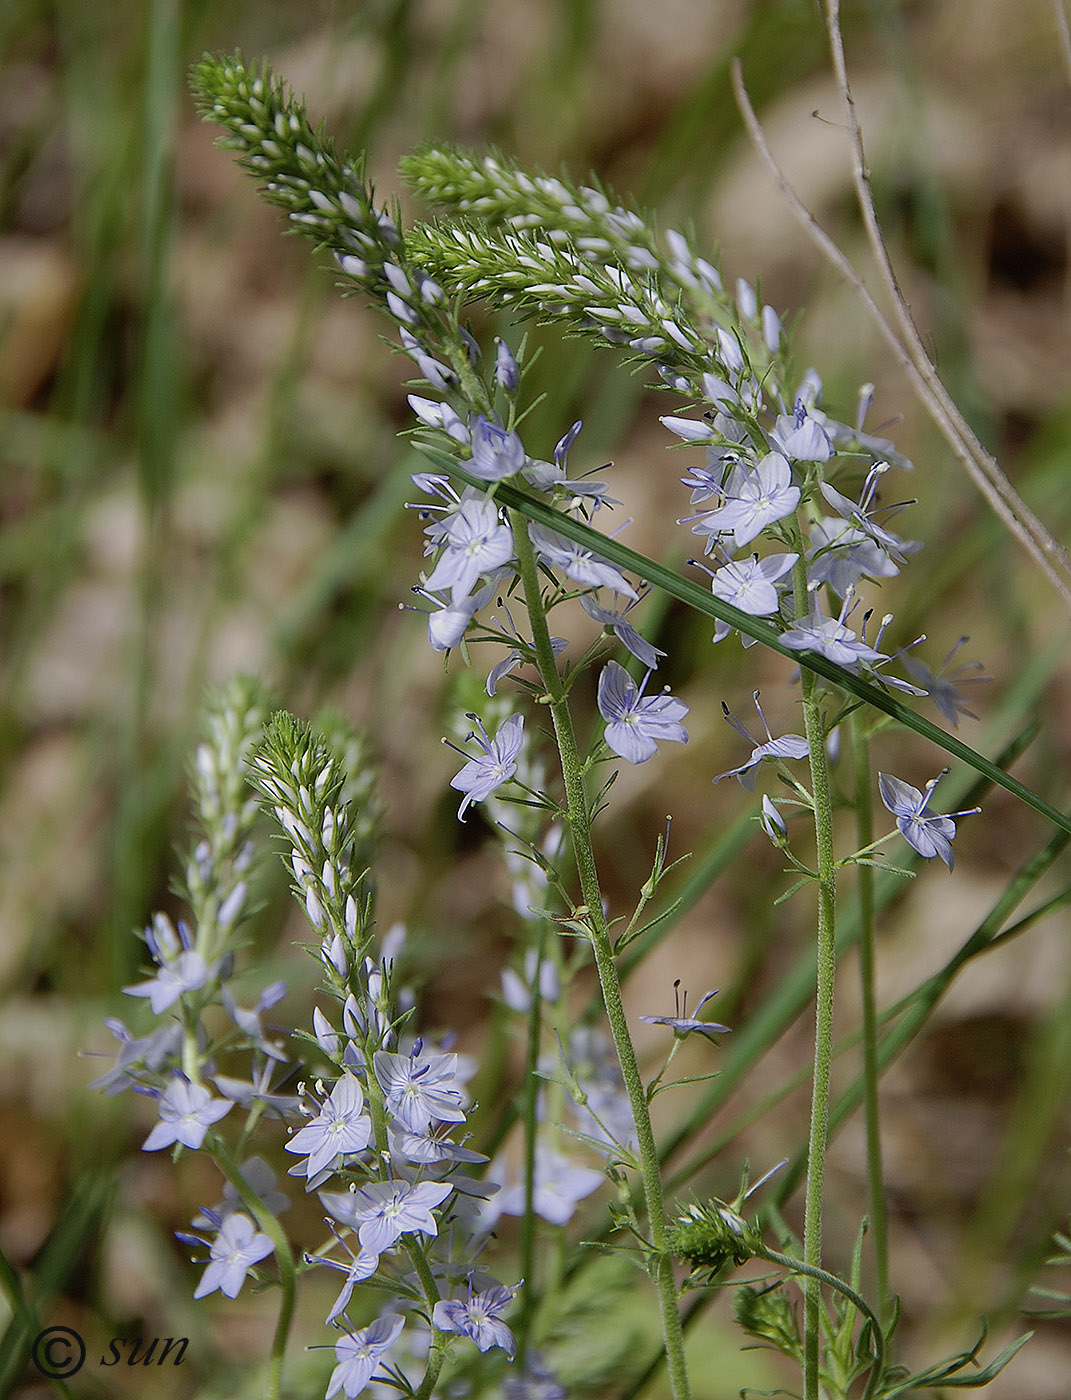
(237, 1247)
(187, 1111)
(929, 832)
(383, 1211)
(419, 1088)
(637, 723)
(358, 1355)
(485, 773)
(681, 1024)
(479, 1317)
(339, 1128)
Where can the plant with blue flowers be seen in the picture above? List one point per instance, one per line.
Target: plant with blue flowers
(786, 501)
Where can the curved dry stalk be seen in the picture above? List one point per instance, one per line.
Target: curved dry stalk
(1012, 510)
(907, 347)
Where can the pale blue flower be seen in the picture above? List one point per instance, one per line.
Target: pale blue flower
(942, 686)
(754, 498)
(358, 1356)
(577, 562)
(507, 374)
(616, 621)
(237, 1247)
(475, 541)
(749, 585)
(787, 746)
(496, 453)
(831, 638)
(681, 1024)
(861, 515)
(637, 723)
(383, 1211)
(479, 1317)
(930, 833)
(801, 437)
(483, 775)
(560, 1184)
(420, 1087)
(840, 555)
(187, 1111)
(185, 973)
(359, 1267)
(340, 1128)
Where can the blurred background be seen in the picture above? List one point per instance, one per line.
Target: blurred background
(201, 474)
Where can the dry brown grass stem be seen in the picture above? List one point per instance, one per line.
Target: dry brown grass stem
(905, 343)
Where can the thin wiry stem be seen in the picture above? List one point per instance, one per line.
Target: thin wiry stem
(910, 353)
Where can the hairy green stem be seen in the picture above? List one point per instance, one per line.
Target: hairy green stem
(578, 812)
(823, 1036)
(867, 971)
(284, 1258)
(816, 1276)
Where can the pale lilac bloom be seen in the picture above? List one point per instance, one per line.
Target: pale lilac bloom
(476, 541)
(929, 832)
(637, 723)
(358, 1356)
(340, 1128)
(248, 1020)
(507, 374)
(680, 1023)
(829, 637)
(427, 1148)
(150, 1052)
(185, 972)
(187, 1111)
(359, 1267)
(749, 585)
(840, 555)
(496, 453)
(383, 1211)
(860, 515)
(577, 562)
(483, 775)
(942, 688)
(517, 991)
(479, 1317)
(643, 650)
(420, 1088)
(690, 429)
(450, 620)
(237, 1247)
(801, 437)
(787, 746)
(257, 1091)
(754, 498)
(560, 1184)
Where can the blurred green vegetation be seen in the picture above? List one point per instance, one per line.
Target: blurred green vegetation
(201, 473)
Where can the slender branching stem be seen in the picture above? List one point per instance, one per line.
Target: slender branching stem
(864, 829)
(578, 811)
(823, 1039)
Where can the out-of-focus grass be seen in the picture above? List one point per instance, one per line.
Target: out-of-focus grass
(200, 473)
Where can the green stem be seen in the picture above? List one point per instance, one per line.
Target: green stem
(578, 812)
(823, 1037)
(283, 1257)
(867, 971)
(818, 1277)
